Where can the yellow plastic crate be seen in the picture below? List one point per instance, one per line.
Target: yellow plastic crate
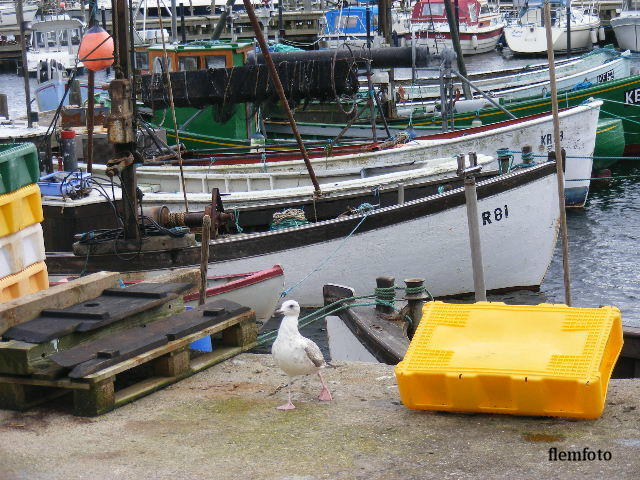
(547, 360)
(32, 279)
(19, 209)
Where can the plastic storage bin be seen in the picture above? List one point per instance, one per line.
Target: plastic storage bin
(32, 279)
(20, 209)
(18, 166)
(547, 360)
(21, 249)
(67, 184)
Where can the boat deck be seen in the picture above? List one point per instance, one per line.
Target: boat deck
(224, 420)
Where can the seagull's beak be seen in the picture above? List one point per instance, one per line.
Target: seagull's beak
(280, 311)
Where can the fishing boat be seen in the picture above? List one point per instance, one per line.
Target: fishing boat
(55, 38)
(595, 67)
(8, 21)
(626, 26)
(520, 221)
(480, 26)
(621, 101)
(348, 27)
(246, 173)
(527, 35)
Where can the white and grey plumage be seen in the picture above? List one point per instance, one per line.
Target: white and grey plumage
(295, 354)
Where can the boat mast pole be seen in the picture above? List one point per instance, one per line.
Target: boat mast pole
(278, 85)
(91, 20)
(568, 20)
(25, 66)
(174, 22)
(372, 111)
(455, 39)
(559, 161)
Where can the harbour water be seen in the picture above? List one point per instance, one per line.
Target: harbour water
(604, 236)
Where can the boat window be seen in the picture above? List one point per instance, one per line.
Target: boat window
(187, 64)
(433, 9)
(215, 61)
(64, 38)
(142, 60)
(40, 41)
(348, 22)
(157, 64)
(484, 10)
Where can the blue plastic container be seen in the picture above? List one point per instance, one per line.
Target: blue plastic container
(65, 184)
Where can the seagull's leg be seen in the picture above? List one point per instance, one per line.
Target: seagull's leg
(325, 394)
(288, 405)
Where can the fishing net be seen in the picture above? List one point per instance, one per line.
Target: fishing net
(302, 81)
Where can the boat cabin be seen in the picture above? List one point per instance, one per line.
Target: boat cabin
(351, 20)
(198, 55)
(470, 12)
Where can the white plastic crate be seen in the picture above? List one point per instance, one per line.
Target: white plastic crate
(21, 249)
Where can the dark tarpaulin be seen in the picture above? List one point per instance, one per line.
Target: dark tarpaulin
(307, 80)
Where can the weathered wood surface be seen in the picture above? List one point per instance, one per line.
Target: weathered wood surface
(89, 357)
(113, 305)
(29, 306)
(96, 394)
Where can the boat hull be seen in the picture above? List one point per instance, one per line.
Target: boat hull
(422, 238)
(626, 28)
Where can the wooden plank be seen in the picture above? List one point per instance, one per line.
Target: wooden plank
(62, 383)
(202, 362)
(171, 346)
(187, 275)
(99, 399)
(14, 357)
(141, 389)
(29, 306)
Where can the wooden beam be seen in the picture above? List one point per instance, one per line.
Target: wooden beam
(29, 306)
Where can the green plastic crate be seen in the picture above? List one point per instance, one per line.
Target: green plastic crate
(18, 166)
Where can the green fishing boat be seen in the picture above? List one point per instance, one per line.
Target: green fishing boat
(213, 126)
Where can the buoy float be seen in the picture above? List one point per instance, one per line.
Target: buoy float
(96, 49)
(474, 41)
(594, 35)
(601, 34)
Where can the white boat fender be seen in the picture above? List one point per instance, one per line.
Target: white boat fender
(601, 34)
(474, 41)
(594, 36)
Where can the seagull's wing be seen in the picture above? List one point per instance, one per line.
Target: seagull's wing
(313, 352)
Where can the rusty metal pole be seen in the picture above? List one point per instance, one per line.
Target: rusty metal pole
(91, 76)
(120, 121)
(204, 257)
(558, 149)
(278, 85)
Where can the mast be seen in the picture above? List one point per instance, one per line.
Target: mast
(455, 39)
(120, 122)
(25, 66)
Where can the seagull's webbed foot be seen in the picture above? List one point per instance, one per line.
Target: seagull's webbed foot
(325, 395)
(286, 406)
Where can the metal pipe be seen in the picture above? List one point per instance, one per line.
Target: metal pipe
(278, 85)
(25, 65)
(471, 200)
(558, 149)
(183, 28)
(222, 20)
(174, 22)
(466, 81)
(455, 39)
(568, 14)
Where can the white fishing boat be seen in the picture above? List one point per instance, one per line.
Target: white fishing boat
(480, 26)
(527, 34)
(601, 65)
(577, 124)
(55, 38)
(626, 26)
(425, 237)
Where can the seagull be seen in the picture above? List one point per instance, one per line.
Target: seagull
(295, 354)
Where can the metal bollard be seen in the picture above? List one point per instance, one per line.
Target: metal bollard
(68, 150)
(383, 293)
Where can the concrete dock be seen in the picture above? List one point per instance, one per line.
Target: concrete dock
(222, 424)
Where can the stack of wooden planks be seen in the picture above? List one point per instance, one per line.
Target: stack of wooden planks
(77, 338)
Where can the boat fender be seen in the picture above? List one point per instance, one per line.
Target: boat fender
(594, 36)
(601, 34)
(474, 42)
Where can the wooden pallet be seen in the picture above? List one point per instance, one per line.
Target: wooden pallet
(97, 393)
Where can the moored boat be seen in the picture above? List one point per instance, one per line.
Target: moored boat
(480, 26)
(626, 26)
(519, 215)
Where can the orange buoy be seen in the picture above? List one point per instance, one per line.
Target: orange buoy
(96, 49)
